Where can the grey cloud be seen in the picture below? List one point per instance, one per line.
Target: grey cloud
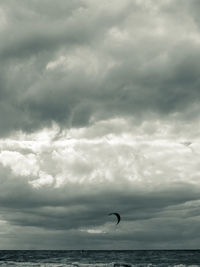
(152, 74)
(153, 233)
(76, 206)
(70, 210)
(38, 28)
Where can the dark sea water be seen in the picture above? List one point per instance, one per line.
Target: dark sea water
(139, 258)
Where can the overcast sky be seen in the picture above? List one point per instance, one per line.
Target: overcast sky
(99, 113)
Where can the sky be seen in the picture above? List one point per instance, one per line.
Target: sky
(99, 113)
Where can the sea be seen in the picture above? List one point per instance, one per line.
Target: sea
(100, 258)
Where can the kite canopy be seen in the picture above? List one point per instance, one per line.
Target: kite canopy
(117, 215)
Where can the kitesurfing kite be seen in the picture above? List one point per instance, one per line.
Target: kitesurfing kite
(117, 215)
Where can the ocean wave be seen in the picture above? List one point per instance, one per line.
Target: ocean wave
(77, 264)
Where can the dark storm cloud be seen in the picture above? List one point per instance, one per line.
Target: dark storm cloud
(151, 72)
(67, 216)
(38, 28)
(33, 28)
(81, 206)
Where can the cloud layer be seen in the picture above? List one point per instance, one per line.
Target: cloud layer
(99, 111)
(79, 62)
